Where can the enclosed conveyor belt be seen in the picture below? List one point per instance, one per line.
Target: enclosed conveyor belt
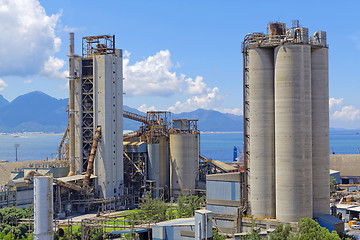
(29, 175)
(220, 165)
(90, 165)
(72, 186)
(134, 116)
(130, 135)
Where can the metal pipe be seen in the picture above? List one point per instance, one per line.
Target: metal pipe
(245, 150)
(71, 105)
(89, 169)
(62, 142)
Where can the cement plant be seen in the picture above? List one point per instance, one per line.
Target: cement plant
(282, 176)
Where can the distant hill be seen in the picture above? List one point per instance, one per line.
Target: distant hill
(33, 112)
(39, 112)
(3, 101)
(210, 120)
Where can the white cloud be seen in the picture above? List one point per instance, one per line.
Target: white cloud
(52, 68)
(126, 54)
(152, 76)
(196, 87)
(235, 111)
(27, 39)
(347, 113)
(144, 108)
(206, 101)
(28, 81)
(70, 29)
(3, 84)
(333, 102)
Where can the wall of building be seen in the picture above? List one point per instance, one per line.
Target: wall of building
(347, 164)
(108, 107)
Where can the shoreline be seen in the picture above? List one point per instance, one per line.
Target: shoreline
(207, 132)
(30, 134)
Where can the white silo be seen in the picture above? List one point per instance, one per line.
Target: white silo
(320, 129)
(261, 131)
(293, 132)
(43, 208)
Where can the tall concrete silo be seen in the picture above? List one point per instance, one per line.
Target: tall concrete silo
(262, 132)
(158, 165)
(153, 165)
(293, 133)
(184, 162)
(320, 130)
(289, 94)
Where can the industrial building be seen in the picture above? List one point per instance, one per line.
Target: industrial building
(100, 168)
(286, 122)
(285, 172)
(286, 136)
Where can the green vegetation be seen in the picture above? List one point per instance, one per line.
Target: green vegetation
(332, 186)
(9, 223)
(216, 235)
(157, 210)
(307, 229)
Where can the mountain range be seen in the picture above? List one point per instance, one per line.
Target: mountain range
(39, 112)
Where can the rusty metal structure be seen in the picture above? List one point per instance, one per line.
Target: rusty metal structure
(98, 45)
(156, 167)
(90, 165)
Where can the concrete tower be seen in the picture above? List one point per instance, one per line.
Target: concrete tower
(98, 101)
(286, 122)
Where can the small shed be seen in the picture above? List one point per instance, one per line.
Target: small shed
(331, 223)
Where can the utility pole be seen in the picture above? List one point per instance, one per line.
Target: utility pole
(16, 148)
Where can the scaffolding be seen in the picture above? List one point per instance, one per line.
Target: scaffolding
(98, 45)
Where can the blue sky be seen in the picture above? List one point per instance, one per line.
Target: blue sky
(180, 55)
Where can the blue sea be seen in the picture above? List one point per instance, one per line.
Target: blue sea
(218, 146)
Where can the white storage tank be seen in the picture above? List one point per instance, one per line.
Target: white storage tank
(43, 208)
(261, 131)
(293, 132)
(184, 162)
(320, 130)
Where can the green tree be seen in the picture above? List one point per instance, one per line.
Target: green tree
(253, 235)
(187, 204)
(281, 232)
(333, 183)
(216, 235)
(153, 209)
(12, 215)
(308, 229)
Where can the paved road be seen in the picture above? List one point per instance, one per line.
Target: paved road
(79, 218)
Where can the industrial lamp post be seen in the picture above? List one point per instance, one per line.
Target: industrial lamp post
(16, 148)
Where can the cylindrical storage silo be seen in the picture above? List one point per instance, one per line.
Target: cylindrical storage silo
(164, 163)
(43, 208)
(153, 166)
(320, 130)
(293, 164)
(184, 162)
(261, 131)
